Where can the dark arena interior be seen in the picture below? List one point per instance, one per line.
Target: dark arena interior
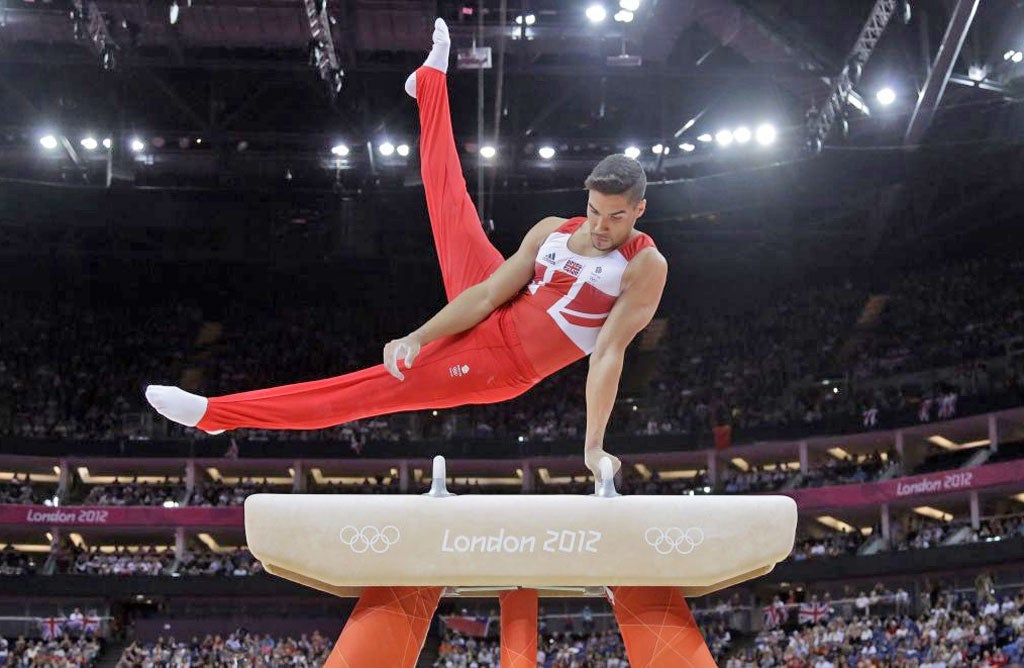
(228, 195)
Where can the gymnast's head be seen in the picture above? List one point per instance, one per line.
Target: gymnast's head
(617, 185)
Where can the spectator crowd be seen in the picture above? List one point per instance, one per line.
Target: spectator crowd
(818, 356)
(240, 648)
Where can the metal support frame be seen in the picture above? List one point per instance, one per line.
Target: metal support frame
(942, 67)
(323, 56)
(95, 31)
(984, 84)
(820, 123)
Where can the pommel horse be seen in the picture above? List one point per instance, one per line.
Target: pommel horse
(400, 554)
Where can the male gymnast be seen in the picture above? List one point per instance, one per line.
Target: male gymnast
(578, 286)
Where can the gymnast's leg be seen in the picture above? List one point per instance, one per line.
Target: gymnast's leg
(466, 255)
(476, 366)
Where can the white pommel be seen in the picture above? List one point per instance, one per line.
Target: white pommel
(438, 484)
(604, 485)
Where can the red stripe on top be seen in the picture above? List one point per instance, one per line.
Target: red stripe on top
(635, 245)
(572, 225)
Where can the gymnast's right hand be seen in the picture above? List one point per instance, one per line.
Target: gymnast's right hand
(405, 348)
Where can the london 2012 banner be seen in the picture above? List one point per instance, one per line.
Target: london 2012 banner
(919, 486)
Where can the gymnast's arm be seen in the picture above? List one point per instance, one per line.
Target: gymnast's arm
(475, 303)
(643, 282)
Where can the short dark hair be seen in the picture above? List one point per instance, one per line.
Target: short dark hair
(618, 174)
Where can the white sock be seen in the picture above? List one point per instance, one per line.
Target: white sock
(438, 56)
(178, 405)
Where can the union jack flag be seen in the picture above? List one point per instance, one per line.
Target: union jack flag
(813, 613)
(52, 627)
(773, 616)
(92, 623)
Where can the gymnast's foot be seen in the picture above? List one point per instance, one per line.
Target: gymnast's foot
(178, 405)
(593, 457)
(438, 58)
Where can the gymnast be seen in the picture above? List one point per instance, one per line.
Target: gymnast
(577, 286)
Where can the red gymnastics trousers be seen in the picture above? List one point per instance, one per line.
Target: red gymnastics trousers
(485, 364)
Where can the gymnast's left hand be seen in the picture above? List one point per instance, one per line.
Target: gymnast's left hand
(405, 349)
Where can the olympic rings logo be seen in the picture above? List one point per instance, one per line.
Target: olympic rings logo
(369, 538)
(674, 539)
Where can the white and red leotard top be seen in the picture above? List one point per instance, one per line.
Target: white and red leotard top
(559, 314)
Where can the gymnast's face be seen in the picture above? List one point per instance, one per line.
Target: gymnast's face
(610, 219)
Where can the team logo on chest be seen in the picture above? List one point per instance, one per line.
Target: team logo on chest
(572, 267)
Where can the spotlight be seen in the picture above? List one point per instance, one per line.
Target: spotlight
(339, 150)
(488, 151)
(89, 143)
(886, 96)
(172, 14)
(403, 150)
(1017, 56)
(657, 149)
(765, 134)
(386, 149)
(49, 142)
(137, 145)
(530, 19)
(1008, 54)
(741, 134)
(597, 13)
(632, 152)
(546, 152)
(706, 137)
(623, 16)
(723, 137)
(687, 146)
(977, 73)
(107, 143)
(630, 5)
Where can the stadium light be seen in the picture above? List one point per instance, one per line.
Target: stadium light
(403, 150)
(886, 96)
(1008, 54)
(977, 73)
(723, 137)
(89, 143)
(623, 16)
(687, 146)
(765, 134)
(530, 19)
(597, 13)
(632, 152)
(706, 137)
(741, 134)
(1017, 56)
(386, 149)
(49, 142)
(546, 152)
(107, 143)
(488, 152)
(630, 5)
(657, 149)
(172, 13)
(137, 145)
(340, 150)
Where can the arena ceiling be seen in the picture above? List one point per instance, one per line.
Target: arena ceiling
(226, 96)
